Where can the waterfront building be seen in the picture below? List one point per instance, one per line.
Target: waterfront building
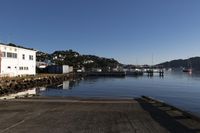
(41, 65)
(81, 70)
(96, 70)
(17, 61)
(59, 69)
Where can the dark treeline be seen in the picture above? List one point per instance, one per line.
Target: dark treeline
(193, 62)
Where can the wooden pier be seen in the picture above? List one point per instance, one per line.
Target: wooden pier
(152, 72)
(76, 115)
(122, 74)
(106, 74)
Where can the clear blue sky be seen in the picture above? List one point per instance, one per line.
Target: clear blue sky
(127, 30)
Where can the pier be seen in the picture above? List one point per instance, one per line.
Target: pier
(149, 72)
(76, 115)
(107, 74)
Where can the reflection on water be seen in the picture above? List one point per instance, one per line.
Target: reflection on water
(177, 88)
(65, 85)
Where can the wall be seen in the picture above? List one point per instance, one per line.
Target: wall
(71, 69)
(65, 69)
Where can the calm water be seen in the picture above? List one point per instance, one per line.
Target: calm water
(176, 88)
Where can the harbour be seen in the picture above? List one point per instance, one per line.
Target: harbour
(176, 88)
(93, 102)
(91, 66)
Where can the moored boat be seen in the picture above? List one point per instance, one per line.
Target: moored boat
(187, 70)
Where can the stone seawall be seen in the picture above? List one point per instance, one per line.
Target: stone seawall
(17, 84)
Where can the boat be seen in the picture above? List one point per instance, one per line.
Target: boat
(189, 70)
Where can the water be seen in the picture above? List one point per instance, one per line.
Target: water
(179, 89)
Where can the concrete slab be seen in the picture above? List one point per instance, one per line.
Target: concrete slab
(87, 116)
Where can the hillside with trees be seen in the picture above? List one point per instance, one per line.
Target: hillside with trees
(73, 58)
(193, 62)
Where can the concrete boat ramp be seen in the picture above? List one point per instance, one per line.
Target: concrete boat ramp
(72, 115)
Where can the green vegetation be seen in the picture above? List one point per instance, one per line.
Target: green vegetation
(14, 45)
(73, 58)
(193, 62)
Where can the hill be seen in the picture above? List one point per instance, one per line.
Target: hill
(73, 58)
(194, 62)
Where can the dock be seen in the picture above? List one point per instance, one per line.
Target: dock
(123, 74)
(77, 115)
(106, 74)
(151, 72)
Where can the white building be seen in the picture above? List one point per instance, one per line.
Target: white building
(41, 65)
(15, 61)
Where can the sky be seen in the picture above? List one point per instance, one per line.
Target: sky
(131, 31)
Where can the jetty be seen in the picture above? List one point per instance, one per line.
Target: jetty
(106, 74)
(78, 115)
(149, 72)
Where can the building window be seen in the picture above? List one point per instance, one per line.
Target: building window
(9, 55)
(9, 67)
(30, 57)
(23, 56)
(3, 54)
(23, 68)
(14, 55)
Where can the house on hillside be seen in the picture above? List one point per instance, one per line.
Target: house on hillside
(17, 61)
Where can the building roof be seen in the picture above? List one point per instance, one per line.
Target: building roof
(16, 46)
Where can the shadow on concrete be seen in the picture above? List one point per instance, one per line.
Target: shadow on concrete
(166, 121)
